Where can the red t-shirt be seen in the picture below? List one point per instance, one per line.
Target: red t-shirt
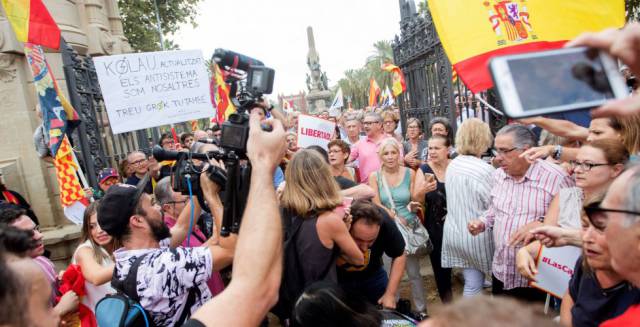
(631, 317)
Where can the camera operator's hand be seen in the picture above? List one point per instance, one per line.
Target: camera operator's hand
(265, 149)
(622, 44)
(208, 186)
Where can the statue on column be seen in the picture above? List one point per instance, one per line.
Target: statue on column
(317, 81)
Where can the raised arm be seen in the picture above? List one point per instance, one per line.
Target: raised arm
(180, 230)
(258, 261)
(559, 127)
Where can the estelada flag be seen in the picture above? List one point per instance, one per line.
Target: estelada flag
(32, 22)
(399, 85)
(474, 31)
(58, 115)
(220, 98)
(374, 92)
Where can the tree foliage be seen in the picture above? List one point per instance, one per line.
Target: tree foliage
(633, 9)
(139, 21)
(355, 83)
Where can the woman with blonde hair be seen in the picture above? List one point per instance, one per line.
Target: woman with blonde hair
(311, 201)
(390, 122)
(468, 188)
(400, 190)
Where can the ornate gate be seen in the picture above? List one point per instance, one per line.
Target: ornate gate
(95, 144)
(431, 90)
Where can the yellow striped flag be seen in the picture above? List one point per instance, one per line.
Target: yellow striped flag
(474, 31)
(374, 92)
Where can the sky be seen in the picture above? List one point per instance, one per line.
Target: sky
(274, 31)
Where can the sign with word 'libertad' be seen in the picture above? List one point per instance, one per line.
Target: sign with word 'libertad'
(314, 131)
(143, 90)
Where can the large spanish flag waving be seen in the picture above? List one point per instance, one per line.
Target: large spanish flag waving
(32, 22)
(474, 31)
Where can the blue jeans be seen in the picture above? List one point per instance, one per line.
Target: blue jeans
(371, 288)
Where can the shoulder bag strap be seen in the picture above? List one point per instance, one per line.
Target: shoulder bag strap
(186, 311)
(383, 180)
(129, 284)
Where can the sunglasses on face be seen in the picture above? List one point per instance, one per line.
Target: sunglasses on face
(599, 217)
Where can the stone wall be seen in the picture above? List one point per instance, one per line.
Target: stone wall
(91, 27)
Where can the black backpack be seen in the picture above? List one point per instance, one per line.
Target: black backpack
(293, 282)
(123, 309)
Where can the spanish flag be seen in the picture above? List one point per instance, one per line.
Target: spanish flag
(399, 85)
(474, 31)
(32, 22)
(374, 92)
(221, 99)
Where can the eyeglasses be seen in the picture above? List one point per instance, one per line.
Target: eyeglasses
(389, 122)
(138, 162)
(598, 216)
(501, 152)
(586, 166)
(370, 122)
(168, 142)
(178, 202)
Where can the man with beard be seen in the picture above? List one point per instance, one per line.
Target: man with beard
(171, 280)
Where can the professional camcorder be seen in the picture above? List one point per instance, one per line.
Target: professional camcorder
(249, 80)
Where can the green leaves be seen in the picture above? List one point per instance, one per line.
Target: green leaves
(139, 21)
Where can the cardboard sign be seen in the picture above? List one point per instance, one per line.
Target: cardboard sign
(314, 131)
(143, 90)
(555, 268)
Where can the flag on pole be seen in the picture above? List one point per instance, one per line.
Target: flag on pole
(374, 92)
(57, 113)
(472, 32)
(221, 99)
(72, 195)
(337, 101)
(387, 98)
(399, 85)
(32, 22)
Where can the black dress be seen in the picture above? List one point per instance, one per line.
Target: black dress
(436, 211)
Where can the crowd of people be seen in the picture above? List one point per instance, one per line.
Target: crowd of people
(327, 234)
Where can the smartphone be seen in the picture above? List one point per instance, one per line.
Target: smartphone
(547, 82)
(429, 177)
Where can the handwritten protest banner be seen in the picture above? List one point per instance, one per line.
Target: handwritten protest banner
(314, 131)
(143, 90)
(555, 268)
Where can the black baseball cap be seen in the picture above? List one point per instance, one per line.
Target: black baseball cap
(117, 206)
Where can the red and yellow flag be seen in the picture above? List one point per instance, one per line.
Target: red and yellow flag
(399, 85)
(32, 22)
(474, 31)
(70, 189)
(374, 92)
(220, 96)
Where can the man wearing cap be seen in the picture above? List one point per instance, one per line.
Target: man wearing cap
(106, 178)
(170, 278)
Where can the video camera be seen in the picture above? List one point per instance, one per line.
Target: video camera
(249, 80)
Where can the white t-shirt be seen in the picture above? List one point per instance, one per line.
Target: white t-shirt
(94, 292)
(165, 276)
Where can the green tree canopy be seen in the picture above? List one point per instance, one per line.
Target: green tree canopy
(139, 21)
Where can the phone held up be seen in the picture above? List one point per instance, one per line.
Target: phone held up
(542, 83)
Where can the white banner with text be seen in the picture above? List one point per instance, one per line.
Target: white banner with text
(143, 90)
(314, 131)
(555, 268)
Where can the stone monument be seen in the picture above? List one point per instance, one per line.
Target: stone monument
(319, 94)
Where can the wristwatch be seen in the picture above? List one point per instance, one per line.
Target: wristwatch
(557, 152)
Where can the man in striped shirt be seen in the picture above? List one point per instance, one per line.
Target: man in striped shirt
(520, 196)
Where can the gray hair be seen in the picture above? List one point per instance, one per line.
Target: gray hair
(163, 191)
(376, 115)
(547, 138)
(630, 201)
(522, 135)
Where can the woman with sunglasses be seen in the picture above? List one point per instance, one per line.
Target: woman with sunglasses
(597, 164)
(596, 291)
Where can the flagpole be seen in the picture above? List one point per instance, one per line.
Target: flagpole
(162, 47)
(492, 108)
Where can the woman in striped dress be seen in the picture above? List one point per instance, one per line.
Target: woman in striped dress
(468, 188)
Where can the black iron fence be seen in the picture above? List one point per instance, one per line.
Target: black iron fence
(431, 88)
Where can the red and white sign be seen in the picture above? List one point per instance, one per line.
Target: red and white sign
(555, 268)
(314, 131)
